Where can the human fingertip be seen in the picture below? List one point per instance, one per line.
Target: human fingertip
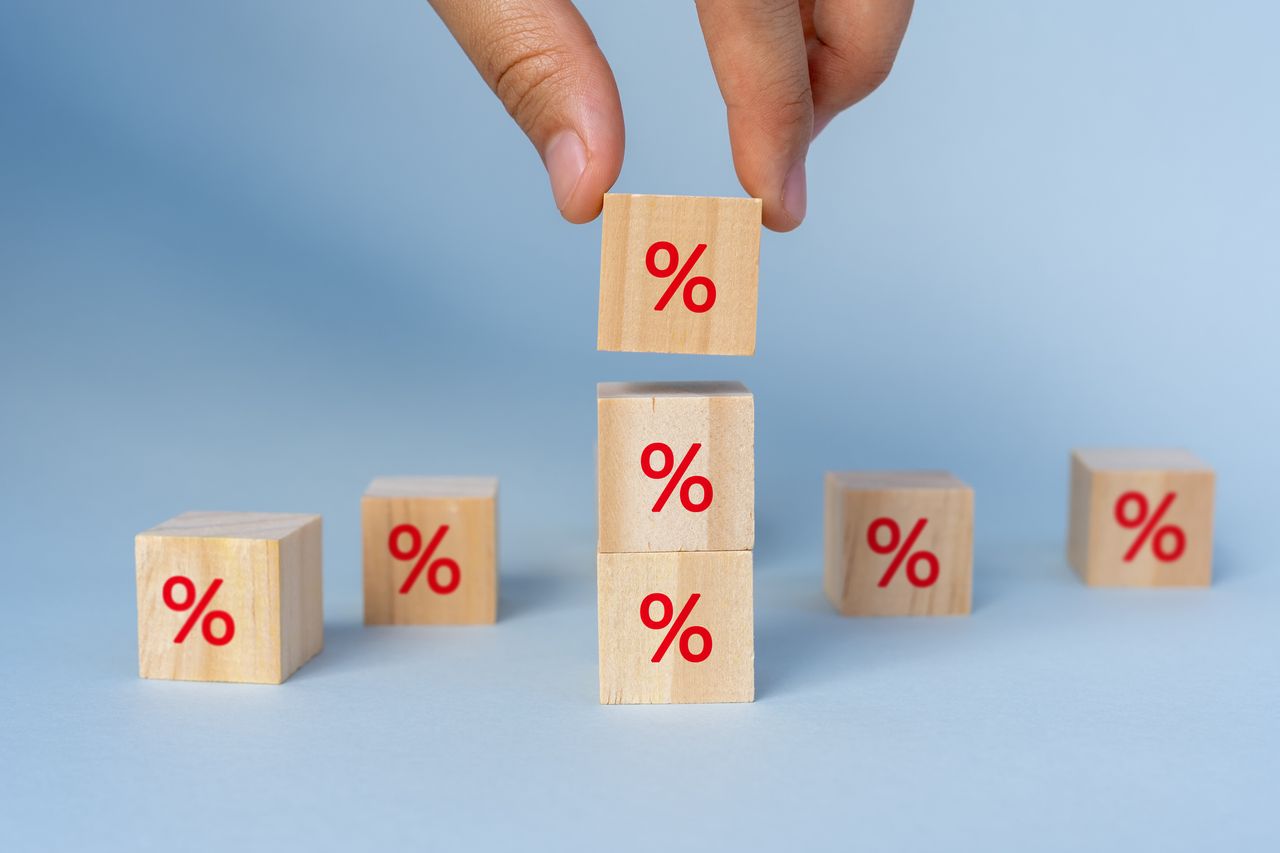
(566, 161)
(795, 193)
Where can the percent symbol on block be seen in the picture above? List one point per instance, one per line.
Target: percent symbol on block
(676, 474)
(681, 276)
(675, 625)
(199, 610)
(423, 559)
(1148, 525)
(903, 553)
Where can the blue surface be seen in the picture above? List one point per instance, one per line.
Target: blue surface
(252, 255)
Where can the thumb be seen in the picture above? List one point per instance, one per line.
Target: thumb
(758, 53)
(543, 63)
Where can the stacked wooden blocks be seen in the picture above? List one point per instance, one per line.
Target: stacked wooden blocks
(676, 487)
(676, 460)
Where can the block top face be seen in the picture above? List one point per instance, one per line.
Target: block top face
(232, 525)
(1137, 459)
(747, 204)
(612, 390)
(432, 487)
(881, 480)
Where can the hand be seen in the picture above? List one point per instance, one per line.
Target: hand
(785, 69)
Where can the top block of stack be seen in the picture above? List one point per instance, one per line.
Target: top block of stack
(679, 274)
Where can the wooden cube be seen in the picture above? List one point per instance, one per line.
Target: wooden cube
(229, 596)
(679, 274)
(899, 543)
(1141, 518)
(430, 551)
(676, 627)
(676, 466)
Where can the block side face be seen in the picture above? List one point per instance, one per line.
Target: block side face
(433, 487)
(1079, 517)
(438, 594)
(302, 598)
(232, 525)
(891, 518)
(1175, 550)
(728, 264)
(615, 224)
(723, 428)
(834, 552)
(724, 606)
(246, 573)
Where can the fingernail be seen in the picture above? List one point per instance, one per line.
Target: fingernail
(795, 194)
(566, 160)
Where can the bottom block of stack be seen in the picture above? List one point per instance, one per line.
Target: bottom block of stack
(676, 627)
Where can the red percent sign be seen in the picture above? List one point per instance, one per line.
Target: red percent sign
(930, 559)
(677, 476)
(198, 609)
(415, 551)
(1142, 517)
(675, 624)
(673, 261)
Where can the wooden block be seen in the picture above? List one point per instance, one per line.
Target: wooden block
(649, 499)
(899, 543)
(656, 613)
(1141, 518)
(446, 525)
(711, 308)
(229, 596)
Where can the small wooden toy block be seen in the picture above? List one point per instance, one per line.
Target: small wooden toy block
(899, 543)
(676, 466)
(1141, 518)
(229, 596)
(430, 551)
(679, 274)
(676, 627)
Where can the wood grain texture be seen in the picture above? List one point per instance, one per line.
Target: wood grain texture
(854, 500)
(469, 507)
(1096, 542)
(270, 565)
(730, 229)
(718, 415)
(723, 582)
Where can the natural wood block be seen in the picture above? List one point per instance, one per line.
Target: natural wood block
(676, 627)
(679, 274)
(430, 551)
(676, 466)
(229, 596)
(899, 543)
(1141, 518)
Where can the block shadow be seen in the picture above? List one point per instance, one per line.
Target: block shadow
(348, 647)
(802, 642)
(523, 594)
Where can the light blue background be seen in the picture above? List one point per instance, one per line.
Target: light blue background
(253, 254)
